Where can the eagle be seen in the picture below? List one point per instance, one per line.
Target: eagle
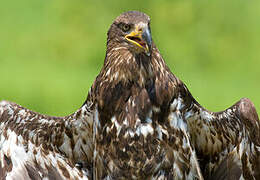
(139, 121)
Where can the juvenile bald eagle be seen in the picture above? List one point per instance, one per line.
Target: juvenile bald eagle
(139, 122)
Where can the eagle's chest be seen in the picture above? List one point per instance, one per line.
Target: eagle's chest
(139, 139)
(128, 152)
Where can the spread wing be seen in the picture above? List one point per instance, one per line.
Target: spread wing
(34, 146)
(228, 142)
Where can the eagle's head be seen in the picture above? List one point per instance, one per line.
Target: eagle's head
(132, 30)
(132, 60)
(130, 50)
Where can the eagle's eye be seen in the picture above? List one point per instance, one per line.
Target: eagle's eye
(125, 27)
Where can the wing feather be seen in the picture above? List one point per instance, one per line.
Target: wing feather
(34, 146)
(224, 136)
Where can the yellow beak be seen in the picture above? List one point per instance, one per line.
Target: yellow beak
(140, 37)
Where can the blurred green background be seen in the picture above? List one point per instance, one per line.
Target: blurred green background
(52, 50)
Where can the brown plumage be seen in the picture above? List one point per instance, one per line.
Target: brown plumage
(138, 122)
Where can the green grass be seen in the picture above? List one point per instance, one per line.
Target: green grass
(52, 50)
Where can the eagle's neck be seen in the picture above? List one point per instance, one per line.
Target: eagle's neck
(122, 65)
(126, 75)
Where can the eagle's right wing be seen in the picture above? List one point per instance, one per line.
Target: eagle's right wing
(34, 146)
(228, 142)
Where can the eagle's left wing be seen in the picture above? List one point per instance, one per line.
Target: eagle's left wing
(227, 143)
(35, 146)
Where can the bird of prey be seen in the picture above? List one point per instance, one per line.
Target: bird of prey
(139, 121)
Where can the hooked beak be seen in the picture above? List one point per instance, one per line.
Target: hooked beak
(141, 37)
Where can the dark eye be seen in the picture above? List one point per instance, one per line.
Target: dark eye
(125, 27)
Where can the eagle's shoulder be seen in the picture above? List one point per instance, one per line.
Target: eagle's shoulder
(247, 112)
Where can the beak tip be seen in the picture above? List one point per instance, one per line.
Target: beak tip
(148, 38)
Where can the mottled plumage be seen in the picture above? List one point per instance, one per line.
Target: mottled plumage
(37, 146)
(138, 122)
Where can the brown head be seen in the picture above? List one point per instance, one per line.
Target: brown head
(131, 30)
